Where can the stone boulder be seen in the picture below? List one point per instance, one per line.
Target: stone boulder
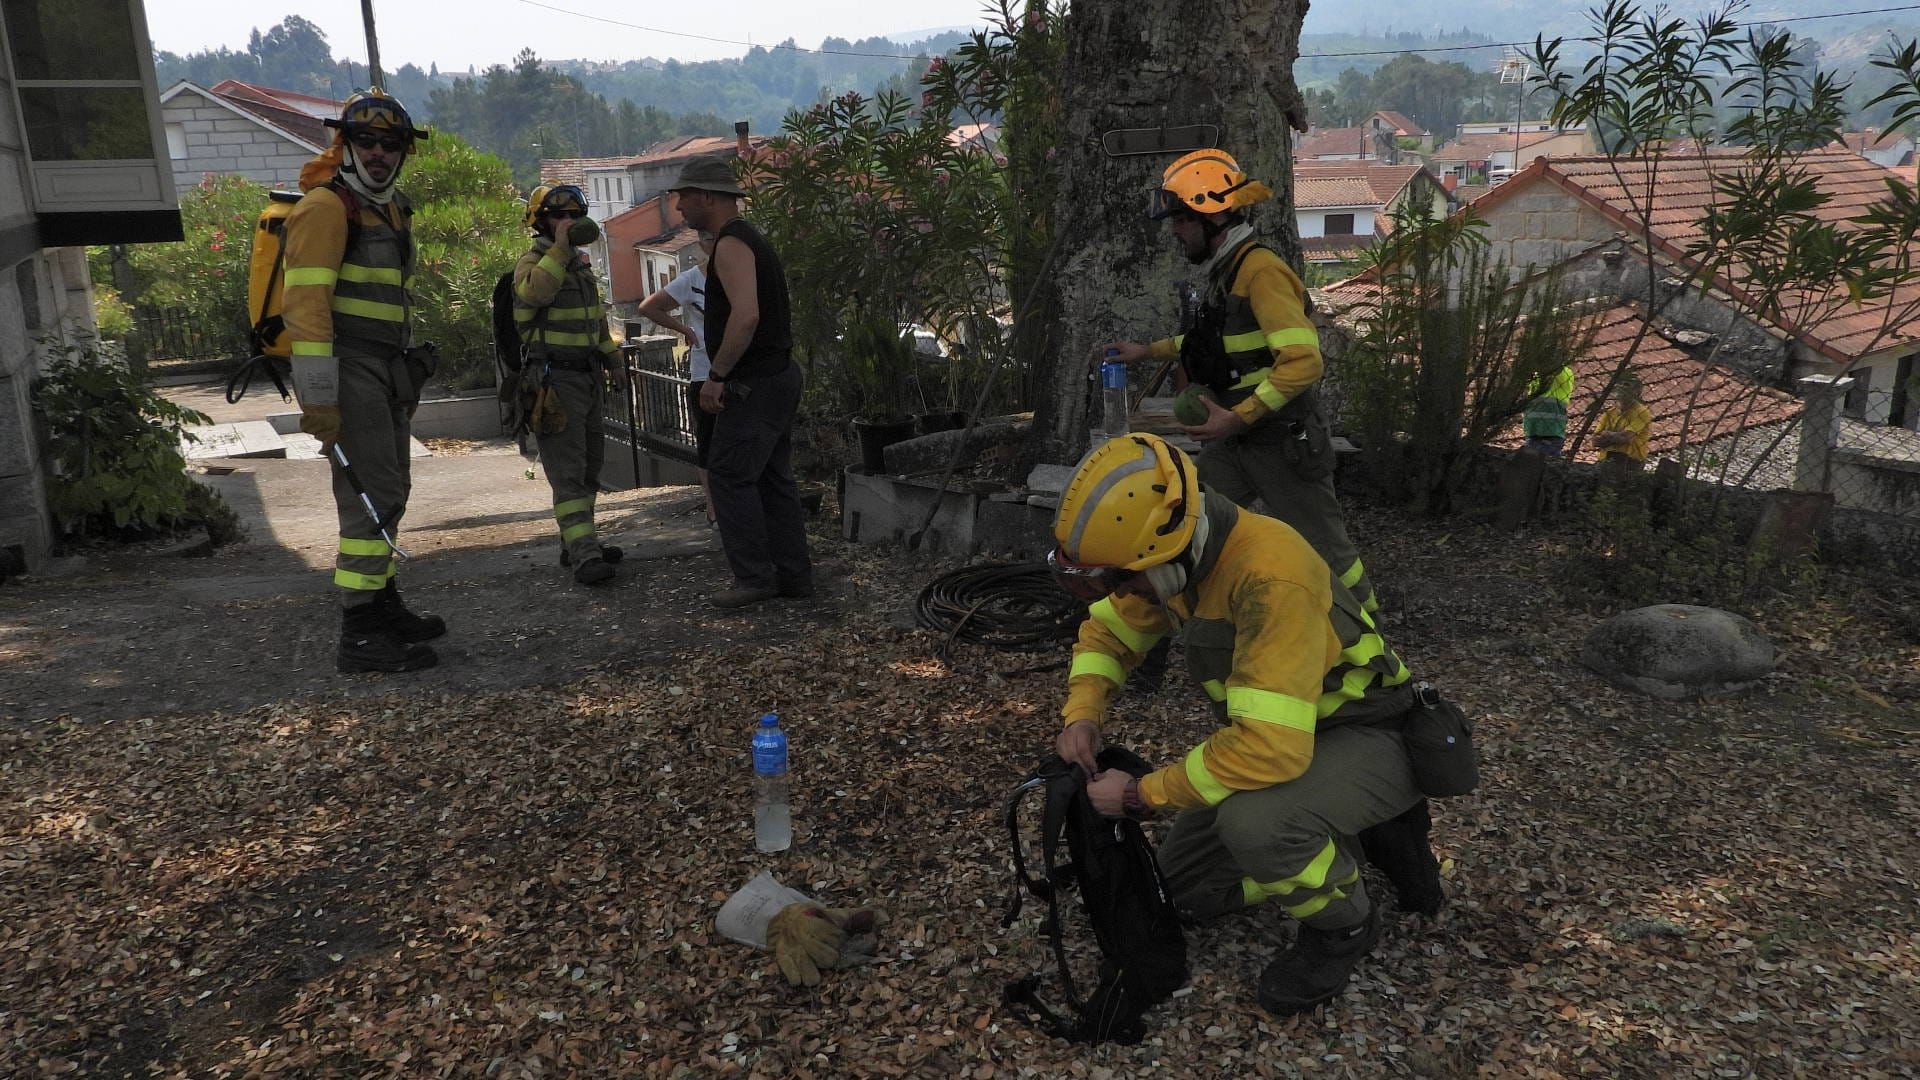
(1678, 651)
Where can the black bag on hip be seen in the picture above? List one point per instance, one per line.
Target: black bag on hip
(1439, 741)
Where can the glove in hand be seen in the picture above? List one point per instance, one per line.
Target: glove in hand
(583, 231)
(806, 938)
(322, 422)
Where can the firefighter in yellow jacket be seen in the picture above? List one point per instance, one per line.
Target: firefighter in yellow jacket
(1253, 349)
(556, 306)
(1309, 696)
(348, 311)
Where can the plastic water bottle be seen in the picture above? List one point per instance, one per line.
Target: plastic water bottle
(772, 818)
(1113, 397)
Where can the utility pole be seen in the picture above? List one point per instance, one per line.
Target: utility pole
(1513, 69)
(373, 46)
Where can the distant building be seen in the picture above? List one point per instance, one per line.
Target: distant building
(1893, 149)
(1384, 136)
(1340, 206)
(239, 129)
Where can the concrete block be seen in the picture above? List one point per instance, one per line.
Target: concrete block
(196, 138)
(1049, 479)
(251, 164)
(27, 525)
(19, 451)
(229, 138)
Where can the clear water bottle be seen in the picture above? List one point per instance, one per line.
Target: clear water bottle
(772, 818)
(1113, 396)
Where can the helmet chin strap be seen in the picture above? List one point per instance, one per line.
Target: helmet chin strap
(355, 178)
(1171, 577)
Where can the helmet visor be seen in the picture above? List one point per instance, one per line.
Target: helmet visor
(1087, 583)
(1161, 204)
(565, 199)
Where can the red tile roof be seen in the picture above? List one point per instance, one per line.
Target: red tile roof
(1383, 182)
(1723, 404)
(1333, 141)
(1684, 191)
(1400, 124)
(1482, 147)
(299, 115)
(1862, 141)
(1313, 192)
(1333, 249)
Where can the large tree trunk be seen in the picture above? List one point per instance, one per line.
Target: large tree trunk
(1143, 64)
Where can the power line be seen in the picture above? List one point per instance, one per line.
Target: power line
(1303, 56)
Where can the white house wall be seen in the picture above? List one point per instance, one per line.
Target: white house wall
(1313, 223)
(220, 140)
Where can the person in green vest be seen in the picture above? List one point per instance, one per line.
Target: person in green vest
(556, 306)
(1545, 422)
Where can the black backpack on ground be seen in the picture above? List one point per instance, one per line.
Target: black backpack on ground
(1143, 954)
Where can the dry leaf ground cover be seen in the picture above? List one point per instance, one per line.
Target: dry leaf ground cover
(523, 882)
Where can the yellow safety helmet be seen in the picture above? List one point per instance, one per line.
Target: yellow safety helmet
(1206, 182)
(550, 197)
(1132, 504)
(377, 111)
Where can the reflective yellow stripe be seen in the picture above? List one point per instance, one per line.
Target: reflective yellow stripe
(310, 275)
(1093, 663)
(1105, 614)
(313, 348)
(1252, 339)
(1215, 689)
(571, 506)
(1270, 707)
(369, 309)
(551, 266)
(1352, 576)
(1299, 335)
(574, 532)
(375, 275)
(1253, 378)
(347, 579)
(524, 314)
(1312, 906)
(351, 546)
(1313, 877)
(564, 313)
(1269, 395)
(561, 337)
(1213, 791)
(1178, 341)
(1353, 687)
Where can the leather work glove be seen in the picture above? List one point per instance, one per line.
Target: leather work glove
(806, 938)
(583, 231)
(548, 416)
(323, 423)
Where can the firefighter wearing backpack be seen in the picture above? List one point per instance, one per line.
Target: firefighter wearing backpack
(1253, 348)
(1308, 694)
(556, 305)
(348, 313)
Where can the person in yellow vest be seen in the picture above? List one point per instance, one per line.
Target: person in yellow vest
(1621, 432)
(1545, 421)
(1308, 694)
(1256, 352)
(348, 311)
(556, 306)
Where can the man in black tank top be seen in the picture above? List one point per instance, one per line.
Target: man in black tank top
(753, 392)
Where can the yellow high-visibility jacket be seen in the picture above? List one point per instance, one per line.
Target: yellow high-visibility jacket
(1266, 333)
(554, 278)
(1636, 421)
(1281, 648)
(358, 297)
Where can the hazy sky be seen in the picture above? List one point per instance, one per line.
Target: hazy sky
(484, 32)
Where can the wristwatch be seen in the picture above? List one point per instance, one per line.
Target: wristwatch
(714, 376)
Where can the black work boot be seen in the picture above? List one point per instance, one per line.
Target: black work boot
(404, 624)
(1317, 967)
(367, 643)
(595, 571)
(607, 551)
(1399, 847)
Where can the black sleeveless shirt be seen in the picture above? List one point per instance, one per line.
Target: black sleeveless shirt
(772, 344)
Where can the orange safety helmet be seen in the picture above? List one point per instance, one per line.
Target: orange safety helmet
(1206, 182)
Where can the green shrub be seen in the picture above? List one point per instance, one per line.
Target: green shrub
(115, 448)
(111, 315)
(203, 276)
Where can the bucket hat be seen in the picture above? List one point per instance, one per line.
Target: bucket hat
(708, 174)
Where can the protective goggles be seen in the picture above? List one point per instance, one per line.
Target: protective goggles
(367, 139)
(1088, 583)
(565, 199)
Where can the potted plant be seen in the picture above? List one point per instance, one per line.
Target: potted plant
(879, 361)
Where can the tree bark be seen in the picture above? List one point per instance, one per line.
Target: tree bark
(1143, 64)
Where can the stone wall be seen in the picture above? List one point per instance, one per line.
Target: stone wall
(44, 294)
(1543, 226)
(229, 142)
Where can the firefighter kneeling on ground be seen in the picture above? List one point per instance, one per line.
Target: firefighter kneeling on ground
(556, 306)
(1310, 696)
